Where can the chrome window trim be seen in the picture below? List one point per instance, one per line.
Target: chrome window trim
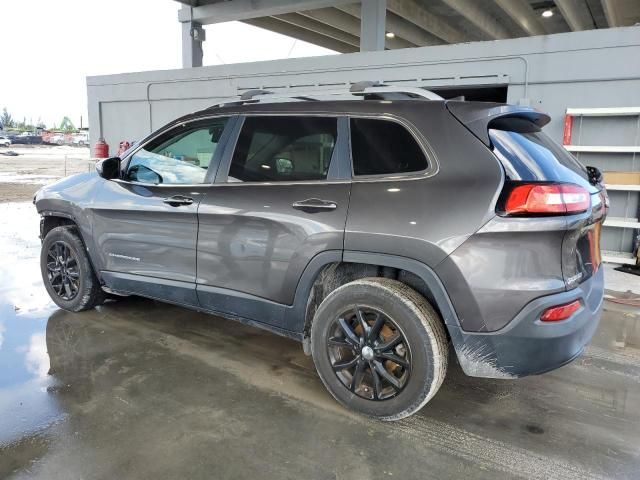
(432, 169)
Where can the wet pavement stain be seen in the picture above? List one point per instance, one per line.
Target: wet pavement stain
(141, 389)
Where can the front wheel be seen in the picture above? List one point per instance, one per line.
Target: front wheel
(67, 272)
(379, 348)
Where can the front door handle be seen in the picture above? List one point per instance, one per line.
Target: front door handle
(314, 205)
(178, 200)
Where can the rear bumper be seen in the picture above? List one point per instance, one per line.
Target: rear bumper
(527, 346)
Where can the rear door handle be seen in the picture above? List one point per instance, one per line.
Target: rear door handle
(314, 205)
(178, 200)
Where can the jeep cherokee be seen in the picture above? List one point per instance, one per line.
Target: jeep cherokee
(381, 231)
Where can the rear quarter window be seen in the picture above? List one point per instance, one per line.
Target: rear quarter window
(384, 147)
(533, 156)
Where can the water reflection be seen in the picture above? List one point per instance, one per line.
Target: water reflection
(145, 363)
(25, 405)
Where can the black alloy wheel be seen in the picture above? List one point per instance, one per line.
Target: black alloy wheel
(369, 353)
(63, 270)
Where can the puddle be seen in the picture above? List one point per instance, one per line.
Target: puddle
(25, 307)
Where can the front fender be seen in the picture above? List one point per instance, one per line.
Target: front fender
(71, 198)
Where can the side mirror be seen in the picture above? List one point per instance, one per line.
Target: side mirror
(109, 168)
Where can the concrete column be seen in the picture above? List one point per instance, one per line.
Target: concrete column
(372, 25)
(192, 37)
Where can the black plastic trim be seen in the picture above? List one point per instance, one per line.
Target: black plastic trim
(174, 291)
(418, 268)
(286, 320)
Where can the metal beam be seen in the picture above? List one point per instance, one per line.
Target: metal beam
(475, 13)
(611, 12)
(247, 9)
(192, 37)
(284, 28)
(521, 12)
(415, 13)
(372, 25)
(319, 27)
(404, 31)
(576, 14)
(348, 23)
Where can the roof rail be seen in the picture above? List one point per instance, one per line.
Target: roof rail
(249, 94)
(366, 89)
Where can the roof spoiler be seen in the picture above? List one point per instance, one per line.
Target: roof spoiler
(477, 116)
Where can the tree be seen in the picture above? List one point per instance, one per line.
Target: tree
(6, 120)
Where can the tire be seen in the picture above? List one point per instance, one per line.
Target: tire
(404, 311)
(61, 243)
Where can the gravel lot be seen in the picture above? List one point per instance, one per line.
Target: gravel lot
(36, 165)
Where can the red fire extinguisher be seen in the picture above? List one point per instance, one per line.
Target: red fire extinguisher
(101, 149)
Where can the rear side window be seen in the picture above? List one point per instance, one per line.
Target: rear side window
(383, 147)
(533, 156)
(280, 149)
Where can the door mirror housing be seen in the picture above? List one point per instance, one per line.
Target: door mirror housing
(109, 168)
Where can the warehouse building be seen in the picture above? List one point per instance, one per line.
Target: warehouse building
(574, 59)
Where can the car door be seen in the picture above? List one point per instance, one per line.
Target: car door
(280, 198)
(145, 224)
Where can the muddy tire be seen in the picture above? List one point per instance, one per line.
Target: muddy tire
(67, 272)
(379, 347)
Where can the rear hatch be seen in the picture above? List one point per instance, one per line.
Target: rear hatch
(533, 163)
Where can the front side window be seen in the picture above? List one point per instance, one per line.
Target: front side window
(282, 149)
(181, 157)
(384, 147)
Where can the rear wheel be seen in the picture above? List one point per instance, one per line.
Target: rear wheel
(379, 348)
(67, 272)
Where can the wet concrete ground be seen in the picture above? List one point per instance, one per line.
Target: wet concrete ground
(139, 389)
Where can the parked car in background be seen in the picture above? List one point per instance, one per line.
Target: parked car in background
(26, 138)
(80, 139)
(58, 139)
(5, 141)
(381, 233)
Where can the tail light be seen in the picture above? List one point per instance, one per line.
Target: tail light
(560, 312)
(546, 199)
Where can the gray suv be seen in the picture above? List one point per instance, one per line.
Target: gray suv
(381, 231)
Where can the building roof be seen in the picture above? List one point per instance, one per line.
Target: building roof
(335, 24)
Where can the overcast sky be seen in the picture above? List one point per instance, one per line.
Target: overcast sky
(49, 47)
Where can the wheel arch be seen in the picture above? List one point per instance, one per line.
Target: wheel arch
(354, 265)
(50, 219)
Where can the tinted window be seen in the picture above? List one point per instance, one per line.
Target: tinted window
(382, 147)
(277, 149)
(182, 156)
(533, 156)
